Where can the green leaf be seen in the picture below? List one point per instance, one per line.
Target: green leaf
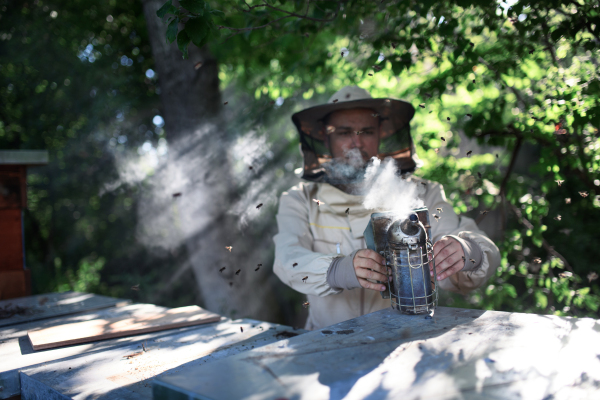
(198, 30)
(510, 290)
(164, 9)
(183, 40)
(193, 6)
(172, 30)
(218, 13)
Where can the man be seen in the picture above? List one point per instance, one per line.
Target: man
(320, 249)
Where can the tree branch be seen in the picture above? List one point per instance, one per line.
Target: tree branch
(293, 14)
(545, 244)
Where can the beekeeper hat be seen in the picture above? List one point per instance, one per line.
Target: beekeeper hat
(394, 134)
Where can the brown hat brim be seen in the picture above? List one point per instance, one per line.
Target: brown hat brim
(394, 115)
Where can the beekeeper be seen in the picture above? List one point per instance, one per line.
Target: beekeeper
(320, 249)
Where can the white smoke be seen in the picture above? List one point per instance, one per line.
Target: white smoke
(387, 191)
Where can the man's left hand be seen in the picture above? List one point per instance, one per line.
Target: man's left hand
(449, 257)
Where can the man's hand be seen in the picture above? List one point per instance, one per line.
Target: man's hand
(449, 257)
(368, 264)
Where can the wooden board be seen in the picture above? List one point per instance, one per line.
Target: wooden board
(138, 323)
(32, 308)
(457, 354)
(108, 374)
(16, 352)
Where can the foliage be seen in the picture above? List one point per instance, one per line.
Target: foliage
(521, 79)
(74, 80)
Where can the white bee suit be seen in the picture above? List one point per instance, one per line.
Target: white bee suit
(312, 235)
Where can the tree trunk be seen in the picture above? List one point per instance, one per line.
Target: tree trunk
(199, 169)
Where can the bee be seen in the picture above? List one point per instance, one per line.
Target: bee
(241, 329)
(225, 103)
(430, 111)
(440, 209)
(197, 65)
(469, 153)
(473, 261)
(178, 194)
(472, 44)
(370, 74)
(583, 194)
(530, 51)
(257, 268)
(319, 202)
(537, 260)
(464, 259)
(259, 206)
(559, 181)
(448, 118)
(483, 212)
(377, 67)
(558, 217)
(423, 183)
(238, 271)
(568, 200)
(348, 210)
(479, 175)
(443, 139)
(304, 279)
(437, 151)
(422, 105)
(437, 217)
(592, 276)
(375, 115)
(305, 304)
(222, 269)
(469, 115)
(229, 248)
(330, 129)
(496, 155)
(565, 274)
(427, 95)
(136, 287)
(335, 100)
(250, 167)
(348, 96)
(293, 265)
(558, 129)
(394, 45)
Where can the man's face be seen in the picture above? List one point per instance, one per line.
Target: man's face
(352, 130)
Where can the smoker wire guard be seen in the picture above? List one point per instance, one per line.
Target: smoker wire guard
(395, 299)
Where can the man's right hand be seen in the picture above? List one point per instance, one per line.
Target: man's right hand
(368, 264)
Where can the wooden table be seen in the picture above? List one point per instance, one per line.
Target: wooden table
(457, 354)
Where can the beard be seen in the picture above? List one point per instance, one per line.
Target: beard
(348, 169)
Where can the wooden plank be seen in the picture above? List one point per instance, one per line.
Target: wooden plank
(457, 354)
(110, 375)
(32, 308)
(13, 284)
(101, 329)
(16, 351)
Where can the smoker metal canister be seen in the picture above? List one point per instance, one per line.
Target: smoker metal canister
(413, 299)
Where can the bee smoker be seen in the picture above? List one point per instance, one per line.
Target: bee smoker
(407, 248)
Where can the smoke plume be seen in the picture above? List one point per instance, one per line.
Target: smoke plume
(387, 191)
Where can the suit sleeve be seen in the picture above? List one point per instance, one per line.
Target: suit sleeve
(294, 244)
(452, 224)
